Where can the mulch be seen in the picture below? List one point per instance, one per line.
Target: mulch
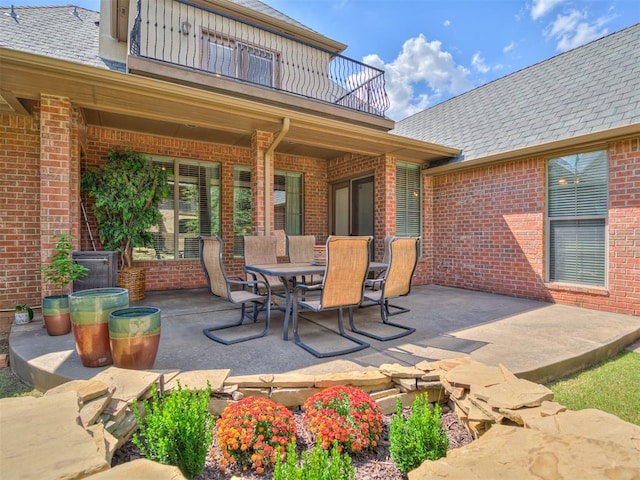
(376, 464)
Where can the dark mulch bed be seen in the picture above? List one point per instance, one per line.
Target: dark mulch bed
(371, 465)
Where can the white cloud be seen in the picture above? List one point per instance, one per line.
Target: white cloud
(420, 64)
(446, 23)
(509, 47)
(478, 63)
(574, 29)
(541, 7)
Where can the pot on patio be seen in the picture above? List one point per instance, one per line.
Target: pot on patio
(90, 311)
(135, 335)
(55, 312)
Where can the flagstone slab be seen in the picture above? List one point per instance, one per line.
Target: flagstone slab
(548, 409)
(91, 411)
(141, 469)
(129, 384)
(520, 453)
(594, 424)
(395, 370)
(514, 394)
(46, 429)
(85, 389)
(197, 380)
(357, 378)
(476, 374)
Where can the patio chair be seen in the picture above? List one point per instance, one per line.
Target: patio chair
(221, 285)
(394, 282)
(342, 287)
(300, 249)
(385, 259)
(263, 250)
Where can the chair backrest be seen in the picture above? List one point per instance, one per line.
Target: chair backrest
(346, 272)
(260, 250)
(211, 260)
(300, 248)
(403, 257)
(385, 255)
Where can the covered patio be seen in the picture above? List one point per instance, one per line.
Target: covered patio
(535, 340)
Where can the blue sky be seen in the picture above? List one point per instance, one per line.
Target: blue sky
(433, 50)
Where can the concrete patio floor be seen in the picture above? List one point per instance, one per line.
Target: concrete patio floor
(535, 340)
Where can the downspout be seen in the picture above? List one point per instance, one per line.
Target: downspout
(267, 174)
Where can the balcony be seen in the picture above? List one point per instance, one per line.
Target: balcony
(216, 48)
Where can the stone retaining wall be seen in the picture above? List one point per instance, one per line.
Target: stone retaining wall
(96, 415)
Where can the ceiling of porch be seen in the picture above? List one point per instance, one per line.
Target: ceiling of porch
(150, 105)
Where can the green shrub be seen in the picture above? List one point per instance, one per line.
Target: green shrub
(318, 465)
(177, 429)
(417, 438)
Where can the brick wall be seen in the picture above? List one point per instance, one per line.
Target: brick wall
(170, 274)
(19, 211)
(487, 227)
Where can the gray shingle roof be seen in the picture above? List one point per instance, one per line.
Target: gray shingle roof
(261, 7)
(55, 32)
(591, 88)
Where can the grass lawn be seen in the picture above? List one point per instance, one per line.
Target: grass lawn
(612, 386)
(10, 385)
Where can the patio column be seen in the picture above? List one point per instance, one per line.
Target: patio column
(385, 202)
(260, 142)
(59, 176)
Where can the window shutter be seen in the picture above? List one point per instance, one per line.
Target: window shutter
(408, 196)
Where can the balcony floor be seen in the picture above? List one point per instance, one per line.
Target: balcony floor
(535, 340)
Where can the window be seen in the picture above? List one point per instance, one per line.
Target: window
(577, 190)
(241, 61)
(408, 207)
(241, 208)
(192, 210)
(287, 202)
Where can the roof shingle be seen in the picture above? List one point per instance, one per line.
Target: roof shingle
(593, 87)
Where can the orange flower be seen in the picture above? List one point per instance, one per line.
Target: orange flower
(249, 437)
(346, 414)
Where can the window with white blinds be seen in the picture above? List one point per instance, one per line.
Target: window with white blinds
(287, 202)
(578, 198)
(241, 207)
(408, 206)
(193, 209)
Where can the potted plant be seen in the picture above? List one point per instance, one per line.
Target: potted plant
(60, 272)
(22, 314)
(127, 191)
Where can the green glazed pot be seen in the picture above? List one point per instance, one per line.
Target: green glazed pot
(55, 312)
(135, 336)
(90, 311)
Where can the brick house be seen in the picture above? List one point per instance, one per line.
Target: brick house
(240, 102)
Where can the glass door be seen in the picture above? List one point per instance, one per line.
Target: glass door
(352, 207)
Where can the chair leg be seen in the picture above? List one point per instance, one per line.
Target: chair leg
(360, 345)
(267, 303)
(398, 308)
(384, 314)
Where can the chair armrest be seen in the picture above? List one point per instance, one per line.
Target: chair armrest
(307, 288)
(250, 283)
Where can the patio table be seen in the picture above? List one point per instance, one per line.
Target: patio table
(292, 271)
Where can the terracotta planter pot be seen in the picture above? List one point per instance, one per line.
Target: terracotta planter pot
(135, 336)
(90, 311)
(55, 311)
